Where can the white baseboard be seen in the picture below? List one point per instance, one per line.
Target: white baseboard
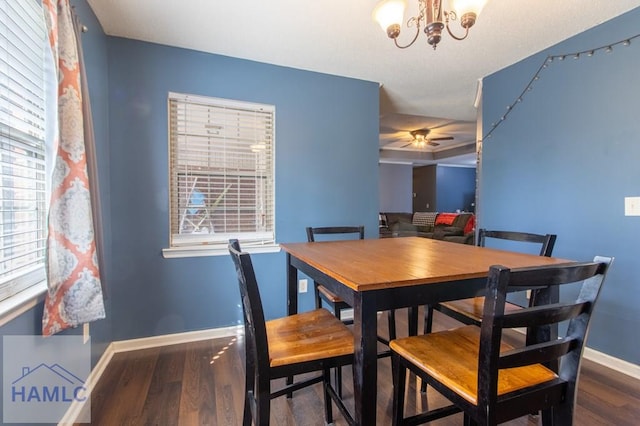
(72, 414)
(617, 364)
(605, 360)
(174, 339)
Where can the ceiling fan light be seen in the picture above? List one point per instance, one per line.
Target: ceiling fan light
(389, 14)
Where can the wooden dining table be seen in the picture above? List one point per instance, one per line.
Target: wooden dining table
(375, 275)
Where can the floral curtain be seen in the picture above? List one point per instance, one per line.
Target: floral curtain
(75, 292)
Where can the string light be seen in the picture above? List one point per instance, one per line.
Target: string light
(547, 61)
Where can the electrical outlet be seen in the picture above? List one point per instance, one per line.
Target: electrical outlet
(632, 206)
(302, 286)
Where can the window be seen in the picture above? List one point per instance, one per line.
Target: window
(22, 149)
(221, 167)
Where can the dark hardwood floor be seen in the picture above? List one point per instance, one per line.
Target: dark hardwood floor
(202, 383)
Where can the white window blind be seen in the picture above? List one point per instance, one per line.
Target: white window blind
(221, 161)
(22, 166)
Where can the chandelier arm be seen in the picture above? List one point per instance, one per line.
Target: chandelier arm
(466, 33)
(395, 40)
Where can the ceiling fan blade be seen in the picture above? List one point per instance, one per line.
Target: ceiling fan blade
(444, 138)
(406, 145)
(431, 143)
(443, 124)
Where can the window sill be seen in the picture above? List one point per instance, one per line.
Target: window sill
(21, 302)
(200, 251)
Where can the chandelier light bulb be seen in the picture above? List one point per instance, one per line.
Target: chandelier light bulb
(467, 10)
(389, 14)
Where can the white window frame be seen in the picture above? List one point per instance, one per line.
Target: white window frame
(223, 151)
(23, 121)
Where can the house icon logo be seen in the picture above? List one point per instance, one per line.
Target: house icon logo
(46, 380)
(47, 383)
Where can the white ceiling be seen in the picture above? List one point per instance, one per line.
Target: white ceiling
(339, 37)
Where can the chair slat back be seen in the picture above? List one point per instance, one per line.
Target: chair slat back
(334, 230)
(546, 241)
(538, 353)
(544, 315)
(256, 344)
(567, 350)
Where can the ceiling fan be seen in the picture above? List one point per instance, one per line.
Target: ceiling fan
(420, 139)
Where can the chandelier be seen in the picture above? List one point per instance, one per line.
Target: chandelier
(390, 14)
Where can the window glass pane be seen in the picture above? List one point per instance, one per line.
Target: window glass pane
(221, 165)
(22, 168)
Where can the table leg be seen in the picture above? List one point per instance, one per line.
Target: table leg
(292, 287)
(292, 300)
(365, 367)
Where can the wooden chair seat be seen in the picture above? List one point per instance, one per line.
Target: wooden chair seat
(309, 336)
(451, 357)
(471, 309)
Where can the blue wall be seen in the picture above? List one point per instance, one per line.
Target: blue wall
(326, 173)
(94, 47)
(395, 188)
(564, 159)
(455, 188)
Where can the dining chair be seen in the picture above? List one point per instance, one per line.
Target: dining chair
(297, 344)
(469, 311)
(323, 294)
(491, 381)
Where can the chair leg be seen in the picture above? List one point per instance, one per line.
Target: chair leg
(338, 372)
(468, 421)
(338, 375)
(317, 296)
(246, 415)
(391, 317)
(326, 382)
(559, 415)
(428, 327)
(263, 408)
(428, 319)
(399, 383)
(412, 320)
(249, 386)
